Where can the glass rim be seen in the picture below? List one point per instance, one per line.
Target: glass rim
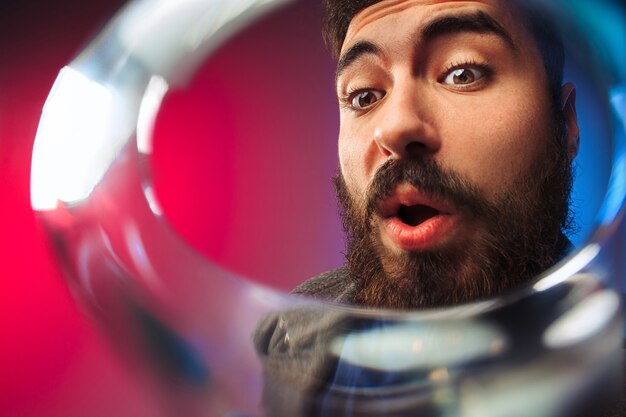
(98, 67)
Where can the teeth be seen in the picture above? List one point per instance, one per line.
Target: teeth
(417, 214)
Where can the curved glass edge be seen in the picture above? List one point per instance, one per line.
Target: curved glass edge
(111, 82)
(614, 200)
(93, 197)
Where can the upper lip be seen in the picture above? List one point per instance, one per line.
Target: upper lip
(408, 195)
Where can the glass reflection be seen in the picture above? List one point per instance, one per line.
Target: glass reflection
(545, 324)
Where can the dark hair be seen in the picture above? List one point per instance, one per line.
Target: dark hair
(339, 13)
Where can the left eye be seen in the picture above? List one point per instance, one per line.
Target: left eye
(463, 76)
(364, 99)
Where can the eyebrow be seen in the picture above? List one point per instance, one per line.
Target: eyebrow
(354, 53)
(479, 22)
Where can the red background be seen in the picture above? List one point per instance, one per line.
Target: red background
(54, 361)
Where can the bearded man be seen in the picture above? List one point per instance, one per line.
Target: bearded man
(456, 144)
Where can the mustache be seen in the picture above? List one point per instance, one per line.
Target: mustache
(428, 177)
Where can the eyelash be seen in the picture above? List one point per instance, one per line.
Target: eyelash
(482, 66)
(346, 99)
(352, 91)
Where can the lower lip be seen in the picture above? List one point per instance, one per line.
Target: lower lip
(423, 236)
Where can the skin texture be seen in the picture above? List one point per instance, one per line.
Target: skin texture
(474, 106)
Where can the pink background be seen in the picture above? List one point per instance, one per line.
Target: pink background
(53, 361)
(255, 182)
(244, 154)
(242, 164)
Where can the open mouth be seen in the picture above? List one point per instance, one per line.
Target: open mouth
(413, 220)
(412, 207)
(416, 214)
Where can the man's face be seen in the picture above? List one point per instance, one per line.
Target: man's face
(447, 103)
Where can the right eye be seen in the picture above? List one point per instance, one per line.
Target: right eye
(364, 99)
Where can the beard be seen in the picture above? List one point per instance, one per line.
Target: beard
(519, 235)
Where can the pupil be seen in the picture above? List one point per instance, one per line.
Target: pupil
(366, 99)
(463, 77)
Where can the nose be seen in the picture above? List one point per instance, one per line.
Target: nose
(406, 127)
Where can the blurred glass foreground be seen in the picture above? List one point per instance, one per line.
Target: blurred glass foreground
(222, 345)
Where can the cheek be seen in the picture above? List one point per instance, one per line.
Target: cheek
(353, 159)
(494, 153)
(347, 164)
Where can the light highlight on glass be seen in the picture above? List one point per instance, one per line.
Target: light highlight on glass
(582, 321)
(73, 146)
(220, 344)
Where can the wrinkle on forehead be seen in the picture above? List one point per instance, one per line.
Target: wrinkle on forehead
(389, 7)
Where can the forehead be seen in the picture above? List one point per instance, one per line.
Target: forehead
(407, 15)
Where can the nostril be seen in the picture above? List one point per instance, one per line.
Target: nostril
(416, 148)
